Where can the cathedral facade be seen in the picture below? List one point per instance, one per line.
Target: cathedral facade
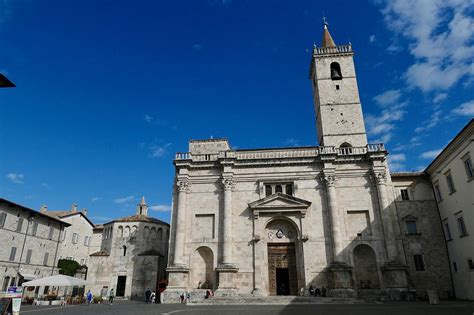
(277, 221)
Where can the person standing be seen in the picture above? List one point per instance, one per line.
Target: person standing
(89, 297)
(111, 296)
(147, 295)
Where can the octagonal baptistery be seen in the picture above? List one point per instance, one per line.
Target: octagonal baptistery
(132, 258)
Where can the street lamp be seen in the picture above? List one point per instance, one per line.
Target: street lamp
(5, 83)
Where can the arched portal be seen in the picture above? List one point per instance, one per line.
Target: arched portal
(281, 238)
(365, 268)
(202, 273)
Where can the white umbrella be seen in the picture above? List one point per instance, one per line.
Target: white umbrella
(57, 281)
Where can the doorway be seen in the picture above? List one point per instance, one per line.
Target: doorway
(121, 282)
(282, 269)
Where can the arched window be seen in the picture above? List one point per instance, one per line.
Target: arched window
(146, 232)
(268, 190)
(336, 73)
(153, 233)
(289, 189)
(346, 148)
(278, 189)
(160, 234)
(120, 231)
(124, 250)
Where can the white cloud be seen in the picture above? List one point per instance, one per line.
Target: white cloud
(94, 199)
(430, 123)
(387, 98)
(15, 178)
(441, 34)
(372, 38)
(158, 150)
(465, 109)
(291, 142)
(440, 97)
(383, 124)
(160, 208)
(124, 199)
(148, 118)
(397, 157)
(46, 185)
(430, 154)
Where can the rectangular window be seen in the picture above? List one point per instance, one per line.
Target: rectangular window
(455, 266)
(34, 230)
(28, 256)
(404, 193)
(19, 225)
(468, 166)
(438, 193)
(3, 218)
(12, 254)
(51, 232)
(64, 235)
(447, 231)
(45, 259)
(86, 241)
(411, 227)
(13, 282)
(461, 226)
(75, 238)
(470, 264)
(419, 263)
(449, 181)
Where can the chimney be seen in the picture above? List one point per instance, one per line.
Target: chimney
(44, 209)
(74, 208)
(84, 211)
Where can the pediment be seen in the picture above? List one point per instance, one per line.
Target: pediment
(280, 203)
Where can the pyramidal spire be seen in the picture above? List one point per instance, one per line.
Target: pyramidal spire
(327, 38)
(142, 208)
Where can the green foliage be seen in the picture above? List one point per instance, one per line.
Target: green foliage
(68, 267)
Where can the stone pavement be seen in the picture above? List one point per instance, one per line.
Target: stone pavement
(134, 308)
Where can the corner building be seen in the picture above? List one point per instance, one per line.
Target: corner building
(275, 221)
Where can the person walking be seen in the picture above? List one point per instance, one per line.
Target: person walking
(89, 297)
(153, 297)
(111, 296)
(147, 295)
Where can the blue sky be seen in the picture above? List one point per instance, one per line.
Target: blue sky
(108, 91)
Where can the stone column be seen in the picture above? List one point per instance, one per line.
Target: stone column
(177, 270)
(227, 232)
(178, 258)
(226, 268)
(380, 179)
(341, 272)
(330, 181)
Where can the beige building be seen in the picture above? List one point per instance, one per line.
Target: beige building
(30, 244)
(77, 238)
(132, 257)
(452, 176)
(275, 221)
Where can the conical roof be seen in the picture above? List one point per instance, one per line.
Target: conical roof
(327, 38)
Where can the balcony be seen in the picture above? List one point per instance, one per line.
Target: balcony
(282, 153)
(332, 50)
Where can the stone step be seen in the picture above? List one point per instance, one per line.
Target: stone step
(277, 300)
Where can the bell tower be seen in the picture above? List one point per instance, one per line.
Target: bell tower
(337, 105)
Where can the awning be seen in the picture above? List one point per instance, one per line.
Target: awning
(27, 276)
(57, 280)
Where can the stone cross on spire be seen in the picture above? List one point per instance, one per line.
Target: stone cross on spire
(327, 38)
(142, 208)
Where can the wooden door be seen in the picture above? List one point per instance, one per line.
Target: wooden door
(282, 256)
